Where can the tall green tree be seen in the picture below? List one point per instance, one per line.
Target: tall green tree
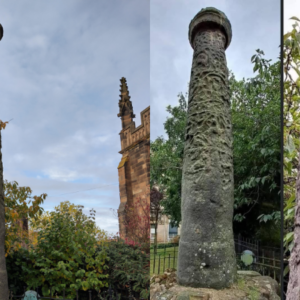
(166, 157)
(255, 105)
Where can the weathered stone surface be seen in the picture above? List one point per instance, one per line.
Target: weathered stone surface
(206, 248)
(248, 273)
(252, 286)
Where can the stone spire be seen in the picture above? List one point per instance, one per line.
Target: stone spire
(125, 105)
(206, 248)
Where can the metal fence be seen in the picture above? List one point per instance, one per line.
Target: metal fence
(267, 260)
(242, 244)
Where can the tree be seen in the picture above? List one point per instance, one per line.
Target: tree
(156, 211)
(291, 118)
(167, 158)
(20, 208)
(255, 105)
(66, 254)
(41, 222)
(4, 292)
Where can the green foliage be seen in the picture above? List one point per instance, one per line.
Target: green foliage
(72, 253)
(20, 206)
(167, 158)
(256, 143)
(291, 123)
(65, 255)
(16, 274)
(128, 264)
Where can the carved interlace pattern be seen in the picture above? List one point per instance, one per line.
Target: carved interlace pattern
(208, 134)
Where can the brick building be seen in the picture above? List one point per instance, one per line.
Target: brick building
(134, 167)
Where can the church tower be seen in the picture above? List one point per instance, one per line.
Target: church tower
(134, 167)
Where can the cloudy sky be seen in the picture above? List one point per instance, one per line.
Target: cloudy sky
(291, 9)
(255, 24)
(61, 62)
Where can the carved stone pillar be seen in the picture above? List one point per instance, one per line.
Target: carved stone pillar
(206, 248)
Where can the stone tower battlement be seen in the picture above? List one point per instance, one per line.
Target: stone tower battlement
(134, 167)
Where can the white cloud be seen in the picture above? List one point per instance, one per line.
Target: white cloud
(37, 41)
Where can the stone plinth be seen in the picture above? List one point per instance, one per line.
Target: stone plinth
(249, 285)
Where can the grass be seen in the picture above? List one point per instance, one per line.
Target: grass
(164, 259)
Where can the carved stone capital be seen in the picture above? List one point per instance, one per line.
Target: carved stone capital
(209, 18)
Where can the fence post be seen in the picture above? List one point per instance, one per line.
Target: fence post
(169, 261)
(90, 295)
(64, 293)
(158, 264)
(164, 261)
(154, 256)
(109, 292)
(174, 258)
(239, 244)
(76, 294)
(274, 264)
(263, 261)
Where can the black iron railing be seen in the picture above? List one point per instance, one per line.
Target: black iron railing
(267, 260)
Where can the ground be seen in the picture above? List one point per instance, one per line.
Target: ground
(250, 286)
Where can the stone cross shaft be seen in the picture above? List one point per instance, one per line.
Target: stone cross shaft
(206, 249)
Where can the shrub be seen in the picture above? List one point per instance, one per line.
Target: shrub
(65, 255)
(17, 271)
(128, 266)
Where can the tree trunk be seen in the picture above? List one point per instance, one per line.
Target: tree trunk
(293, 291)
(4, 292)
